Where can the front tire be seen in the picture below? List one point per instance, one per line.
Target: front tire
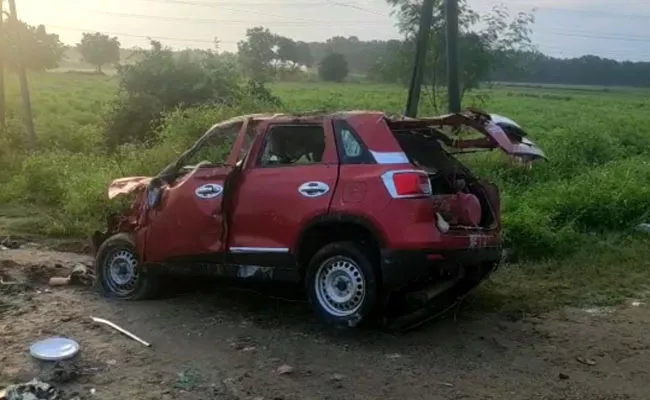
(119, 273)
(341, 284)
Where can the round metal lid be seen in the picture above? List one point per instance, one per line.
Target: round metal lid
(54, 349)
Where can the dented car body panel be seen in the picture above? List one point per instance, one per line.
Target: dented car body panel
(291, 184)
(127, 185)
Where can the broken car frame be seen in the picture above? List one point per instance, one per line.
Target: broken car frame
(374, 215)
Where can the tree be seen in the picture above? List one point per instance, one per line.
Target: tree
(257, 53)
(361, 55)
(484, 42)
(98, 49)
(534, 67)
(162, 80)
(304, 54)
(288, 52)
(393, 65)
(32, 46)
(333, 68)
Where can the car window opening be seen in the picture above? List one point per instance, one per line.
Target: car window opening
(293, 144)
(215, 149)
(457, 194)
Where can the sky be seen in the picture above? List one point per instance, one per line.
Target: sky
(563, 28)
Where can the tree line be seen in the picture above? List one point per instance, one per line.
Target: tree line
(535, 67)
(500, 51)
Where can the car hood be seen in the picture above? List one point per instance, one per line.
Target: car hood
(127, 185)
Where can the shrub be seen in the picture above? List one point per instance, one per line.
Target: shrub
(161, 81)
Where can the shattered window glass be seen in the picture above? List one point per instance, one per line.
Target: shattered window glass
(351, 146)
(249, 137)
(216, 149)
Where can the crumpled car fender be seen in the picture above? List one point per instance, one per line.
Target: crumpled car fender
(127, 185)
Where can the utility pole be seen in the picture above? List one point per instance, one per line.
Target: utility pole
(2, 67)
(413, 99)
(453, 80)
(24, 89)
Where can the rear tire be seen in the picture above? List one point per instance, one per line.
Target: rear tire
(341, 284)
(119, 273)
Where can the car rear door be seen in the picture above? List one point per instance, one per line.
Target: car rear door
(280, 191)
(497, 132)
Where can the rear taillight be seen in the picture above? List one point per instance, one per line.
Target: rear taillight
(407, 183)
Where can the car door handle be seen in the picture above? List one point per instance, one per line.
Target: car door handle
(313, 189)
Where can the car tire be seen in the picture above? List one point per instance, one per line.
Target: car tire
(342, 285)
(119, 273)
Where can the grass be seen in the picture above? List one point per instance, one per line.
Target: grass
(568, 221)
(606, 272)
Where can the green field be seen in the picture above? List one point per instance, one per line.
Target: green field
(570, 222)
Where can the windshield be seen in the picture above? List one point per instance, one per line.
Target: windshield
(211, 149)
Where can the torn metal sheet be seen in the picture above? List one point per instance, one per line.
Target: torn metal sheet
(127, 185)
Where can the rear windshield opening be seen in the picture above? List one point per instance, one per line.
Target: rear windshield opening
(448, 176)
(428, 153)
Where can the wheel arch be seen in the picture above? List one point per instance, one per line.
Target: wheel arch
(145, 287)
(328, 228)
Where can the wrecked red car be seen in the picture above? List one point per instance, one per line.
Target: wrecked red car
(368, 212)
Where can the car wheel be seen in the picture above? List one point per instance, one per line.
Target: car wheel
(119, 273)
(341, 284)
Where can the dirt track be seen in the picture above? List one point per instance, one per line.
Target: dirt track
(229, 344)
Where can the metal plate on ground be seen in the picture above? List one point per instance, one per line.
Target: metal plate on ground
(54, 349)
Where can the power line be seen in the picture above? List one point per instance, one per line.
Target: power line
(219, 4)
(545, 48)
(626, 38)
(597, 13)
(300, 22)
(336, 3)
(588, 36)
(175, 39)
(178, 39)
(629, 38)
(585, 12)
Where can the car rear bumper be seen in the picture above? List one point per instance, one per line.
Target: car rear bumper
(402, 268)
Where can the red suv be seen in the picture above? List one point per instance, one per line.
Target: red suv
(358, 207)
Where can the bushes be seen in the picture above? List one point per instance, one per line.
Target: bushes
(132, 119)
(162, 81)
(73, 185)
(531, 234)
(554, 218)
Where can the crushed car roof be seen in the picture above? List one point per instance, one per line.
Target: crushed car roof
(452, 118)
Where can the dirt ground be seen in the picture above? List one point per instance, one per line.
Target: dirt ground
(235, 344)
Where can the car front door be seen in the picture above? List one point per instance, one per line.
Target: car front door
(187, 222)
(289, 181)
